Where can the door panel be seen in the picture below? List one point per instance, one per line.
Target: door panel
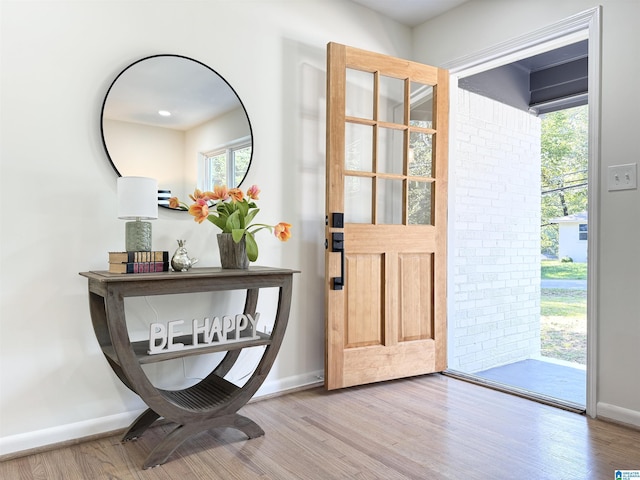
(387, 124)
(365, 305)
(416, 298)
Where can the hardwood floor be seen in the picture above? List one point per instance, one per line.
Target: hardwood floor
(430, 427)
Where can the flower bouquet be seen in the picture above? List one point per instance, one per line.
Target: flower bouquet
(232, 212)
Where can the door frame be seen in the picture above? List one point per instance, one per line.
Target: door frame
(582, 26)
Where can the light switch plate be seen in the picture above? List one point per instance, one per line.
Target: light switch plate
(623, 177)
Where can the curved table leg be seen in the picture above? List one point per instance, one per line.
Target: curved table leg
(227, 363)
(164, 449)
(140, 425)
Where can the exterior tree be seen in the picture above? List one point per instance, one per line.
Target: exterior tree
(420, 193)
(564, 162)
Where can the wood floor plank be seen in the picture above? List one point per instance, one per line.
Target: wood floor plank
(429, 427)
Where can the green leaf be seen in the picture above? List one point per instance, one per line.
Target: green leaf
(221, 207)
(237, 234)
(243, 208)
(217, 221)
(250, 216)
(233, 221)
(252, 247)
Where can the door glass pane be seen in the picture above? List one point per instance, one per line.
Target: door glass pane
(390, 99)
(357, 200)
(358, 144)
(421, 107)
(420, 201)
(390, 150)
(420, 154)
(359, 94)
(389, 201)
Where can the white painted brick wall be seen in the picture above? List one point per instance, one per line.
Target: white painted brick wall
(496, 227)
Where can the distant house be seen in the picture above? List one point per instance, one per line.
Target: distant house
(572, 236)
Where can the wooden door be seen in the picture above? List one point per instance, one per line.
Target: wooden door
(387, 141)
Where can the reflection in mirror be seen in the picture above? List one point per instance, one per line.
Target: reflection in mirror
(173, 118)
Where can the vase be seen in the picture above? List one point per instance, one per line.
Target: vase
(232, 254)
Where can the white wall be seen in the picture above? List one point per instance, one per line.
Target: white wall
(58, 191)
(138, 149)
(480, 24)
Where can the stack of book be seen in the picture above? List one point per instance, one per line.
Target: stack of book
(138, 262)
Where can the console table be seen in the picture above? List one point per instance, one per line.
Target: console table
(213, 402)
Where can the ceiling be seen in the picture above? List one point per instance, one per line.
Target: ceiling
(190, 91)
(411, 12)
(547, 82)
(544, 83)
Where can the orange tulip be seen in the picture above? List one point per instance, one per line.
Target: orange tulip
(199, 210)
(197, 195)
(220, 192)
(236, 194)
(282, 231)
(174, 202)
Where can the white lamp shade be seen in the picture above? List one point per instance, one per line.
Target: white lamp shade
(137, 198)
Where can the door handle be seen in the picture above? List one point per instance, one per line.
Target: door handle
(337, 245)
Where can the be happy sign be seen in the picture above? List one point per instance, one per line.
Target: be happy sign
(211, 331)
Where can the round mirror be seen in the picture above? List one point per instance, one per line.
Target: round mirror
(175, 119)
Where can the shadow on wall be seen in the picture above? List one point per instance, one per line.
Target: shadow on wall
(303, 144)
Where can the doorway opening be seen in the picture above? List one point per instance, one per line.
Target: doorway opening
(502, 315)
(521, 266)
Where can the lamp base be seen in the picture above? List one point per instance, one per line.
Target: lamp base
(138, 236)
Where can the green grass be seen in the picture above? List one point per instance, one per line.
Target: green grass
(557, 302)
(562, 341)
(554, 269)
(563, 324)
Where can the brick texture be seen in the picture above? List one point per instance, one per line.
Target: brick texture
(495, 317)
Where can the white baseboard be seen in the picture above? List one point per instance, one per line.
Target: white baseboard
(65, 433)
(61, 434)
(618, 414)
(290, 383)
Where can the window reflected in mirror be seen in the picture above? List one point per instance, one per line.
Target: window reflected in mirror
(224, 166)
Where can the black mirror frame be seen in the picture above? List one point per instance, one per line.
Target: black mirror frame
(106, 96)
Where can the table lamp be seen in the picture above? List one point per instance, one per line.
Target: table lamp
(137, 201)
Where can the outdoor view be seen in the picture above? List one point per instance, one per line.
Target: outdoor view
(520, 235)
(564, 235)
